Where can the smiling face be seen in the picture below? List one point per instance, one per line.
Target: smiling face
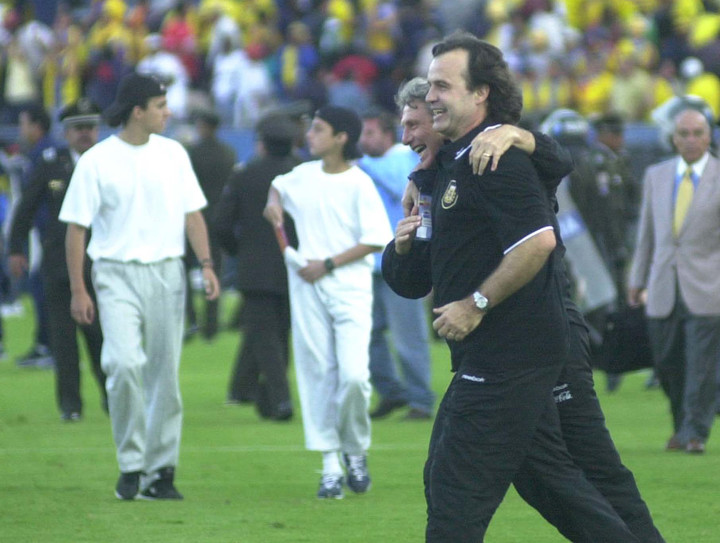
(691, 136)
(456, 109)
(417, 129)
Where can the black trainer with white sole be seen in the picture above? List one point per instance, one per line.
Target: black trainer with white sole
(128, 485)
(163, 487)
(331, 487)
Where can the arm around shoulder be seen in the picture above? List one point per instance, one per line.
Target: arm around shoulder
(551, 160)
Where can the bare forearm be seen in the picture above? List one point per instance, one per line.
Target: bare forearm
(273, 211)
(197, 235)
(518, 267)
(353, 254)
(524, 140)
(75, 256)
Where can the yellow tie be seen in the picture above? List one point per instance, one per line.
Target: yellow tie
(682, 200)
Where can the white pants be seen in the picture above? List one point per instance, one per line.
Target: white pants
(331, 325)
(141, 308)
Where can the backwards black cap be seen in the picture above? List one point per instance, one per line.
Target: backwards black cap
(135, 90)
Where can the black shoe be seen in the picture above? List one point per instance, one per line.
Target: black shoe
(38, 357)
(283, 412)
(209, 332)
(267, 410)
(331, 487)
(163, 487)
(358, 476)
(190, 332)
(385, 407)
(613, 381)
(652, 382)
(417, 414)
(128, 485)
(71, 416)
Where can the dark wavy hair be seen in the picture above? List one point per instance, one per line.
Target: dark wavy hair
(37, 114)
(486, 66)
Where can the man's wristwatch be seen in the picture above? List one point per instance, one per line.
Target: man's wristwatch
(329, 265)
(481, 302)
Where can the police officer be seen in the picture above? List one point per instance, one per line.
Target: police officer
(607, 196)
(35, 135)
(608, 200)
(46, 188)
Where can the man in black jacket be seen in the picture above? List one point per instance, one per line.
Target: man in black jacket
(213, 161)
(260, 372)
(47, 187)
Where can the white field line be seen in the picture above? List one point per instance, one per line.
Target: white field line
(194, 449)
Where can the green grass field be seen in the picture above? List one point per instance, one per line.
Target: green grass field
(248, 481)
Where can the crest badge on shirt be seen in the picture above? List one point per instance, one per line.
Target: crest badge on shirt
(450, 197)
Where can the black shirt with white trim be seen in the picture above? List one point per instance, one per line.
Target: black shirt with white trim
(476, 222)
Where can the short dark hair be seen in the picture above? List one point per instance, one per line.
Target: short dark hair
(386, 120)
(486, 66)
(342, 119)
(206, 116)
(38, 115)
(277, 132)
(610, 122)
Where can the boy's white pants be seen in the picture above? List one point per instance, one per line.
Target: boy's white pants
(331, 324)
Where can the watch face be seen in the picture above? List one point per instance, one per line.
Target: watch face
(480, 301)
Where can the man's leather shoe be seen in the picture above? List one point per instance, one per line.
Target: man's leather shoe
(695, 446)
(417, 414)
(674, 444)
(385, 407)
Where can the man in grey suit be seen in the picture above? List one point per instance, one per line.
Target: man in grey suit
(677, 259)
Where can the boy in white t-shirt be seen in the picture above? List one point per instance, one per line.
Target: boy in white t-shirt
(340, 221)
(138, 192)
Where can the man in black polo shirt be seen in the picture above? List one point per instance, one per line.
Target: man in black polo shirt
(581, 418)
(500, 307)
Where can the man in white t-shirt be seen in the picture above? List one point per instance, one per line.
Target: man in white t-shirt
(340, 220)
(138, 193)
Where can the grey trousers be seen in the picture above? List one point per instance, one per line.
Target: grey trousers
(141, 309)
(686, 349)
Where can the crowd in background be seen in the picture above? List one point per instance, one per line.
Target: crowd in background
(247, 56)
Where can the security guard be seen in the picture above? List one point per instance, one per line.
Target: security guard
(47, 188)
(259, 374)
(607, 196)
(608, 200)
